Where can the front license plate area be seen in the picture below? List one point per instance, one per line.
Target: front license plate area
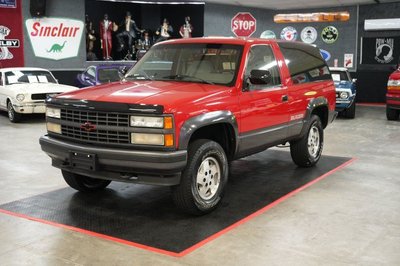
(84, 161)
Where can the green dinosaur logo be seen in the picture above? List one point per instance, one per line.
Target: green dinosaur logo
(56, 48)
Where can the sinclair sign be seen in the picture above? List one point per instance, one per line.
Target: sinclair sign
(55, 38)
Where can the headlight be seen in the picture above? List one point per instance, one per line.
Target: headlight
(20, 97)
(147, 139)
(52, 127)
(344, 95)
(150, 121)
(53, 112)
(394, 82)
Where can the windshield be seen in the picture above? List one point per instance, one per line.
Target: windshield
(202, 63)
(35, 76)
(339, 75)
(109, 74)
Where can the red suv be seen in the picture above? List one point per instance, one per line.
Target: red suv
(393, 96)
(186, 109)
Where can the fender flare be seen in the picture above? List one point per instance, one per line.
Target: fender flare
(211, 118)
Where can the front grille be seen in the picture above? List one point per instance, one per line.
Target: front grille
(112, 126)
(96, 118)
(39, 96)
(104, 136)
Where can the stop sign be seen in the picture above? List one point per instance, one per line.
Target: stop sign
(243, 24)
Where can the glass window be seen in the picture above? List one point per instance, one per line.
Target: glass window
(339, 75)
(26, 76)
(108, 75)
(261, 57)
(1, 79)
(201, 63)
(91, 72)
(305, 62)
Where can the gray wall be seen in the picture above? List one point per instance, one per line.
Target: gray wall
(74, 9)
(217, 19)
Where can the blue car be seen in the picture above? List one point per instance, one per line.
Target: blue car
(104, 73)
(345, 91)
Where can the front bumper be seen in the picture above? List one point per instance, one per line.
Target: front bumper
(145, 167)
(30, 108)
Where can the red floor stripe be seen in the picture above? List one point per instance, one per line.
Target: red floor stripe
(194, 247)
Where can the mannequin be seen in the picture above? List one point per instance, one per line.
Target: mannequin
(186, 29)
(106, 27)
(128, 31)
(164, 31)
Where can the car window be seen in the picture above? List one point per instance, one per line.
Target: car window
(1, 79)
(339, 75)
(305, 63)
(201, 63)
(28, 76)
(91, 72)
(261, 57)
(108, 74)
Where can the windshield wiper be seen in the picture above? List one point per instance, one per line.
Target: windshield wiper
(182, 77)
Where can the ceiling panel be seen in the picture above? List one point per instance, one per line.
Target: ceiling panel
(295, 4)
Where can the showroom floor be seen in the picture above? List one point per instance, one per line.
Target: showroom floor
(350, 217)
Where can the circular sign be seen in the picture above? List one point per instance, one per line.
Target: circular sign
(325, 54)
(289, 34)
(309, 35)
(268, 34)
(243, 24)
(329, 34)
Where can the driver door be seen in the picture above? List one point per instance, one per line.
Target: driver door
(264, 108)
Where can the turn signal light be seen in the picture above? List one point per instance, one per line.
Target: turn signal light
(169, 140)
(168, 122)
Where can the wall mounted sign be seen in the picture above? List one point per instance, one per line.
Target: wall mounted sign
(6, 44)
(289, 34)
(8, 3)
(243, 24)
(312, 17)
(309, 35)
(268, 34)
(380, 50)
(325, 54)
(348, 60)
(55, 38)
(329, 34)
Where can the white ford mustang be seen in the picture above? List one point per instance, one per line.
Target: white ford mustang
(23, 90)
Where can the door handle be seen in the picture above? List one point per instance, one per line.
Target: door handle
(285, 98)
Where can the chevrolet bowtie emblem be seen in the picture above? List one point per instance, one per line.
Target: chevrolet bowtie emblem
(88, 127)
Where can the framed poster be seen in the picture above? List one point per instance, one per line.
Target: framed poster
(380, 50)
(8, 3)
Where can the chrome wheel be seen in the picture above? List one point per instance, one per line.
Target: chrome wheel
(313, 143)
(208, 178)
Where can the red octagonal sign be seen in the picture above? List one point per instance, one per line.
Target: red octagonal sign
(243, 24)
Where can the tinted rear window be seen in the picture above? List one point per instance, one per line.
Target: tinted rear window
(305, 62)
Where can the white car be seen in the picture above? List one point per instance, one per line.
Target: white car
(24, 90)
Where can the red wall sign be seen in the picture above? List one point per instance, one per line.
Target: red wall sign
(11, 36)
(243, 24)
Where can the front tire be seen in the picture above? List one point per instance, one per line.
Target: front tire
(392, 114)
(12, 115)
(307, 151)
(84, 183)
(203, 180)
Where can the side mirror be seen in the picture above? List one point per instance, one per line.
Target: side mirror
(259, 77)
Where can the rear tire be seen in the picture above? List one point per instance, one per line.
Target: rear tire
(84, 183)
(392, 114)
(203, 180)
(307, 151)
(12, 115)
(351, 111)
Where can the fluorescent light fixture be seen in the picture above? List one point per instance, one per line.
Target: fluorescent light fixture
(382, 24)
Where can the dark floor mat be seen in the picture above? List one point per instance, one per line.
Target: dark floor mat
(147, 216)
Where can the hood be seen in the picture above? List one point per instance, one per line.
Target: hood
(33, 88)
(170, 94)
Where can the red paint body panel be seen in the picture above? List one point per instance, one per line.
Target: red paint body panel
(393, 95)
